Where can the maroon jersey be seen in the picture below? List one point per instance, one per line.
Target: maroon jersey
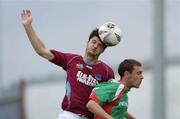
(82, 77)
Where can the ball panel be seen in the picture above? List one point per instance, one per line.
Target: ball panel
(111, 40)
(110, 34)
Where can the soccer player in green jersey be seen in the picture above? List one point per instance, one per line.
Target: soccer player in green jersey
(109, 100)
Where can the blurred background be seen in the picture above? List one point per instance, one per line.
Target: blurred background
(33, 88)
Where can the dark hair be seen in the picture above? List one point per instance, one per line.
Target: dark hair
(127, 65)
(93, 33)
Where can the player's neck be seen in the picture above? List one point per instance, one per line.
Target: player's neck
(124, 82)
(91, 59)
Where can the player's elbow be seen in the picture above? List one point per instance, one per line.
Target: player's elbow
(89, 105)
(45, 53)
(40, 52)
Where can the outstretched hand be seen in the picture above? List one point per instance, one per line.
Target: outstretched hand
(26, 17)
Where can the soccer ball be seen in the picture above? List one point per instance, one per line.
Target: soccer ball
(110, 34)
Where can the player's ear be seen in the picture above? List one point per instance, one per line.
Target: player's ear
(126, 74)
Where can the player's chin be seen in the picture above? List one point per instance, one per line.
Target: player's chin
(137, 86)
(93, 53)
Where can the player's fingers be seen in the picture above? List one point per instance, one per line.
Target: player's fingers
(28, 13)
(24, 12)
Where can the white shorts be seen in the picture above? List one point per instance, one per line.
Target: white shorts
(69, 115)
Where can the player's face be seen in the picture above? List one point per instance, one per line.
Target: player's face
(95, 46)
(136, 76)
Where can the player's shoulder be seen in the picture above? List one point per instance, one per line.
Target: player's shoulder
(66, 53)
(106, 65)
(109, 82)
(106, 86)
(74, 58)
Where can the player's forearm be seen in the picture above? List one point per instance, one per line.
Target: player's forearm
(97, 110)
(35, 41)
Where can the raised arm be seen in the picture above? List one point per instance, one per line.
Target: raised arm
(97, 110)
(37, 44)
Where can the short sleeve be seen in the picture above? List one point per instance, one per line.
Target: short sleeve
(61, 59)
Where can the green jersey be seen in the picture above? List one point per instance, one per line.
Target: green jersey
(112, 96)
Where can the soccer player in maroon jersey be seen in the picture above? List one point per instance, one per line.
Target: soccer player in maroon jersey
(83, 72)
